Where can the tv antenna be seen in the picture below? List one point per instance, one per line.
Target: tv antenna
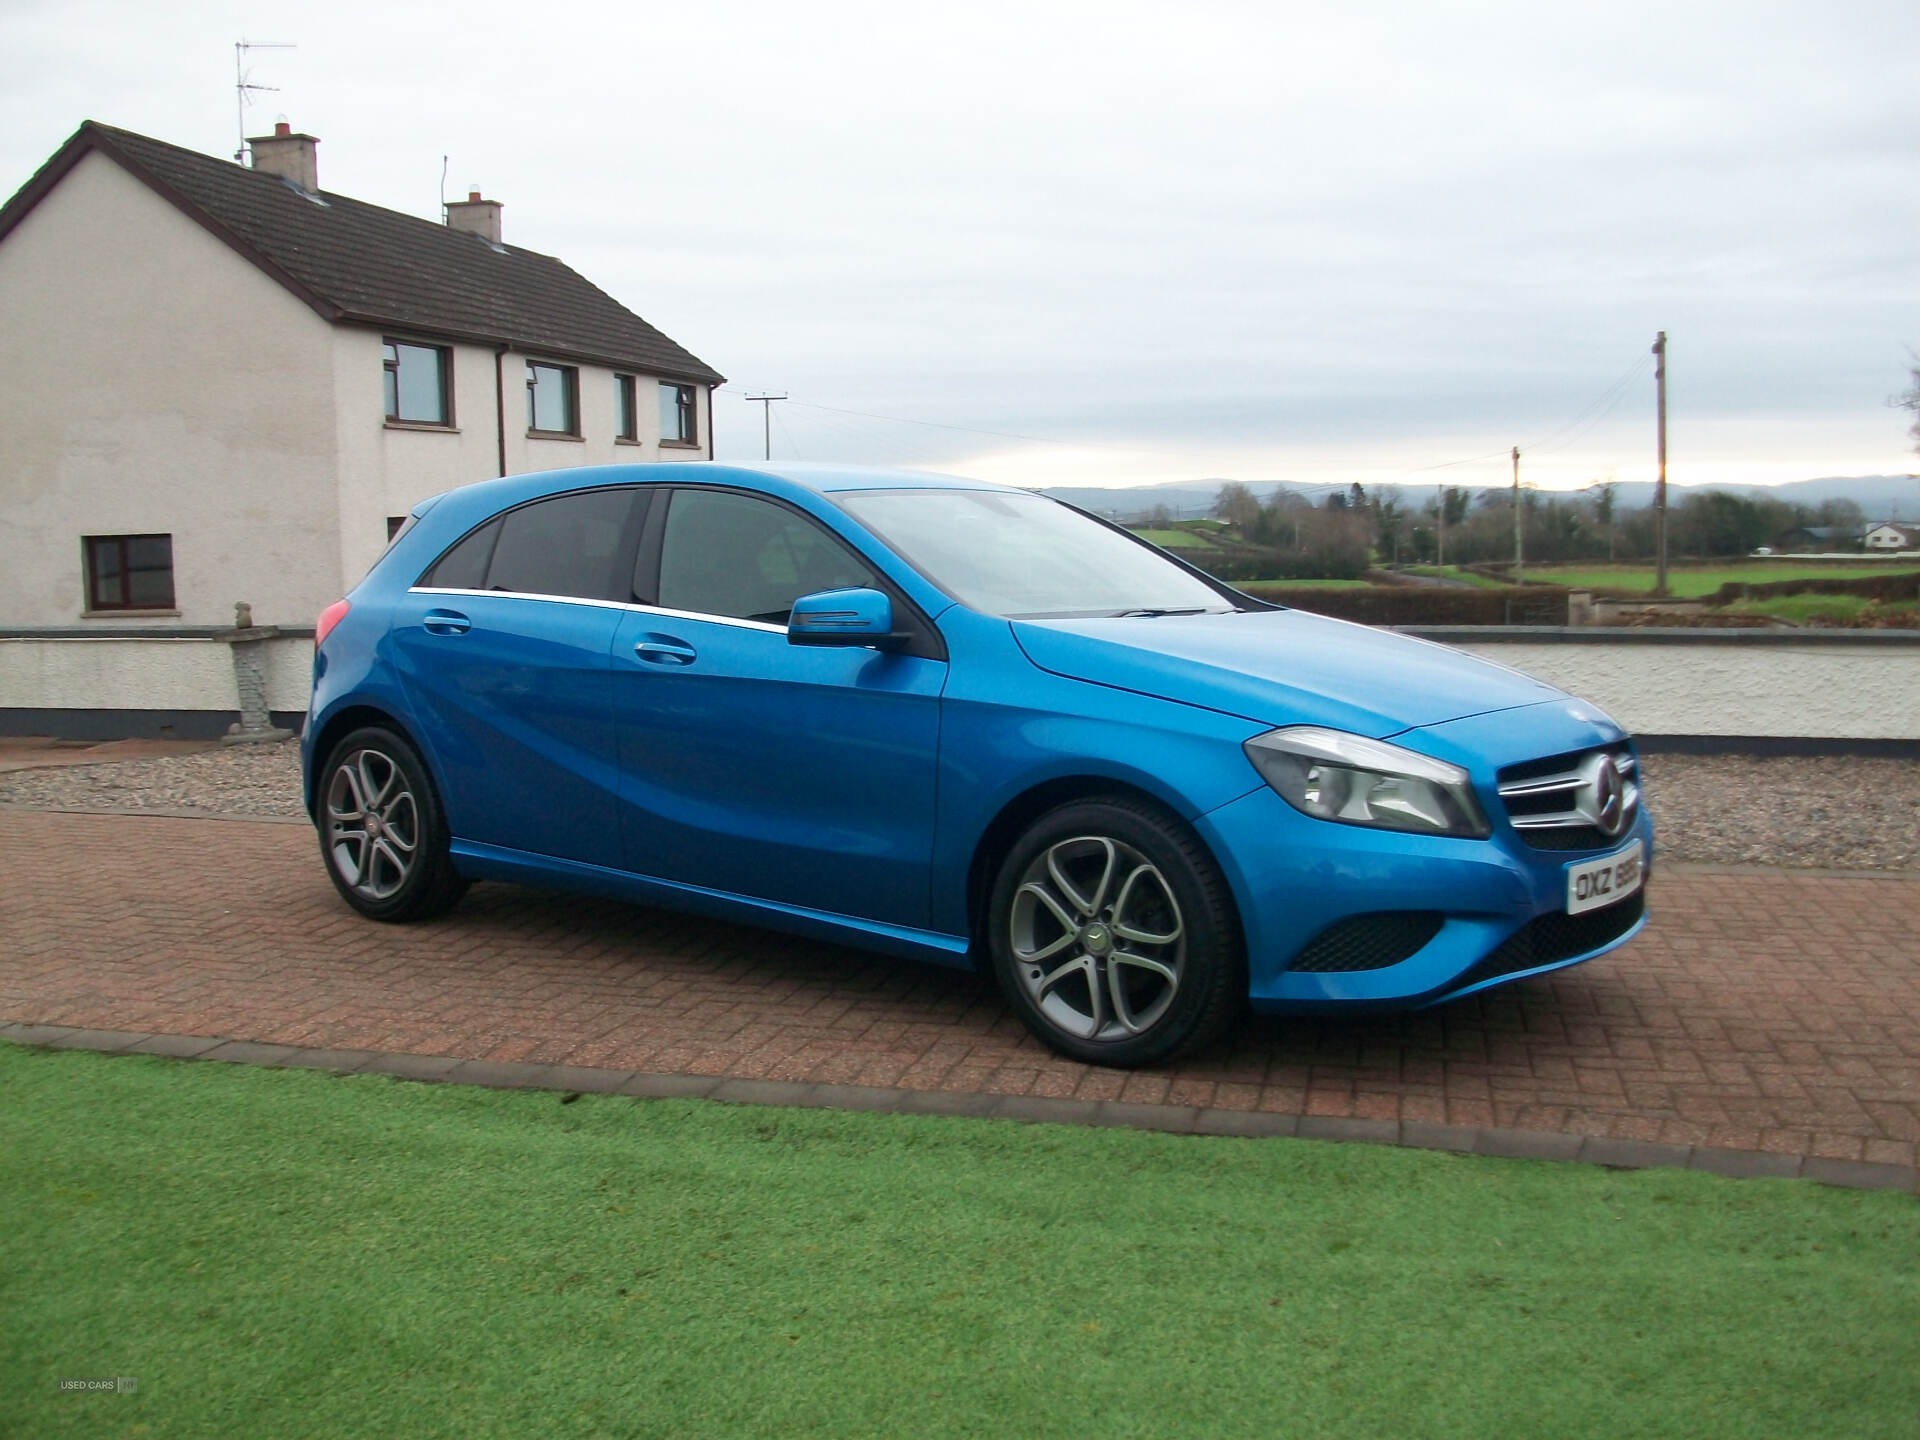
(243, 85)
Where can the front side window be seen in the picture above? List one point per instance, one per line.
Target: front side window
(129, 572)
(1014, 554)
(416, 381)
(727, 554)
(553, 399)
(563, 546)
(626, 423)
(678, 417)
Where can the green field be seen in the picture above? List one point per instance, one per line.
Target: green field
(1177, 539)
(1826, 609)
(1454, 572)
(1261, 587)
(1692, 582)
(291, 1254)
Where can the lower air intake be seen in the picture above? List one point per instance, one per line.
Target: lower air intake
(1368, 942)
(1552, 938)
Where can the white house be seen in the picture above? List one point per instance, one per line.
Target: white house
(1890, 536)
(228, 384)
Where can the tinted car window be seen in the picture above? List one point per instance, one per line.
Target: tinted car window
(464, 567)
(726, 554)
(562, 546)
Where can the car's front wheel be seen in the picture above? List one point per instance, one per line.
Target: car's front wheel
(1113, 934)
(382, 832)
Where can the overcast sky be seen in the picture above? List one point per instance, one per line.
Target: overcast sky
(1157, 242)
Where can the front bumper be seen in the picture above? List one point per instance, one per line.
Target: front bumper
(1501, 906)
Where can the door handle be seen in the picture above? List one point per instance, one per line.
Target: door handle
(663, 650)
(446, 622)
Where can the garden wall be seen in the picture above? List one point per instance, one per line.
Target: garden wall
(1727, 689)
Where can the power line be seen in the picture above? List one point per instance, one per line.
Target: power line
(1573, 430)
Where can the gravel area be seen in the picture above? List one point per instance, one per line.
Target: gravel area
(1836, 813)
(235, 780)
(1821, 812)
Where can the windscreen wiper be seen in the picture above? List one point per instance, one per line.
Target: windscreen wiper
(1154, 613)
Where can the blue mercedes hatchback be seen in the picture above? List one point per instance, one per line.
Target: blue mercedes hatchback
(960, 723)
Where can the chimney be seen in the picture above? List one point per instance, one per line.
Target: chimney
(287, 155)
(479, 217)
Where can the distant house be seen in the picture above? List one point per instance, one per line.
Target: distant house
(1889, 536)
(228, 384)
(1805, 538)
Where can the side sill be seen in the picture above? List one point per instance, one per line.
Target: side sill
(497, 862)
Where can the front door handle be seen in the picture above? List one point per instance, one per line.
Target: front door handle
(446, 622)
(665, 650)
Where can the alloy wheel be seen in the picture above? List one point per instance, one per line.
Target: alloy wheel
(1097, 938)
(373, 824)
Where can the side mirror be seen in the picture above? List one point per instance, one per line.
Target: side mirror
(842, 617)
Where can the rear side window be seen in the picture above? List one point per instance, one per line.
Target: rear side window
(726, 554)
(563, 546)
(464, 567)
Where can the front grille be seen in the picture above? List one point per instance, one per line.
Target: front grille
(1550, 802)
(1550, 938)
(1369, 942)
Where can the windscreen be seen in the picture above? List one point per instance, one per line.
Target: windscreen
(1024, 556)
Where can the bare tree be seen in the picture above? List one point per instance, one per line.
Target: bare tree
(1909, 400)
(1238, 506)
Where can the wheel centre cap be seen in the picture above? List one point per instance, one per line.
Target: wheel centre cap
(1097, 939)
(373, 826)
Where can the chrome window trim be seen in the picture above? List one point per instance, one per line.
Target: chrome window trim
(737, 623)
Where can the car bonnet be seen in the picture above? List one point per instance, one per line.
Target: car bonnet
(1281, 667)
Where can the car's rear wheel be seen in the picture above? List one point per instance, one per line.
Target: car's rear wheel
(382, 831)
(1113, 934)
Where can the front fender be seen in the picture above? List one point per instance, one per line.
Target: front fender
(1007, 727)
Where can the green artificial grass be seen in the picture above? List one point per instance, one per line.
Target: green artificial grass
(288, 1254)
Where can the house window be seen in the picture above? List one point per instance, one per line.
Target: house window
(416, 381)
(678, 418)
(626, 420)
(553, 399)
(129, 572)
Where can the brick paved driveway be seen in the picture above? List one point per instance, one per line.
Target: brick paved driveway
(1758, 1011)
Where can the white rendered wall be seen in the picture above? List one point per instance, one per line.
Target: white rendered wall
(157, 383)
(151, 673)
(1851, 692)
(385, 470)
(1841, 692)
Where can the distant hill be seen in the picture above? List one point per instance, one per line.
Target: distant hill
(1881, 497)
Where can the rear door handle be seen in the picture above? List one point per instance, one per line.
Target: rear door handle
(664, 650)
(446, 622)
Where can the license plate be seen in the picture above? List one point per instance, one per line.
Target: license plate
(1602, 882)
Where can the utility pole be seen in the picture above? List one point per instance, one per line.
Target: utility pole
(766, 418)
(1519, 556)
(1660, 485)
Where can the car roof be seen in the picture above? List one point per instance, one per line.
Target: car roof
(486, 496)
(828, 477)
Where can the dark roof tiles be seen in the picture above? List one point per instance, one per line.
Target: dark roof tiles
(357, 262)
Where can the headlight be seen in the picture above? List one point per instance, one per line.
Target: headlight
(1331, 775)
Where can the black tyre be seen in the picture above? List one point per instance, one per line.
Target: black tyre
(1113, 934)
(383, 834)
